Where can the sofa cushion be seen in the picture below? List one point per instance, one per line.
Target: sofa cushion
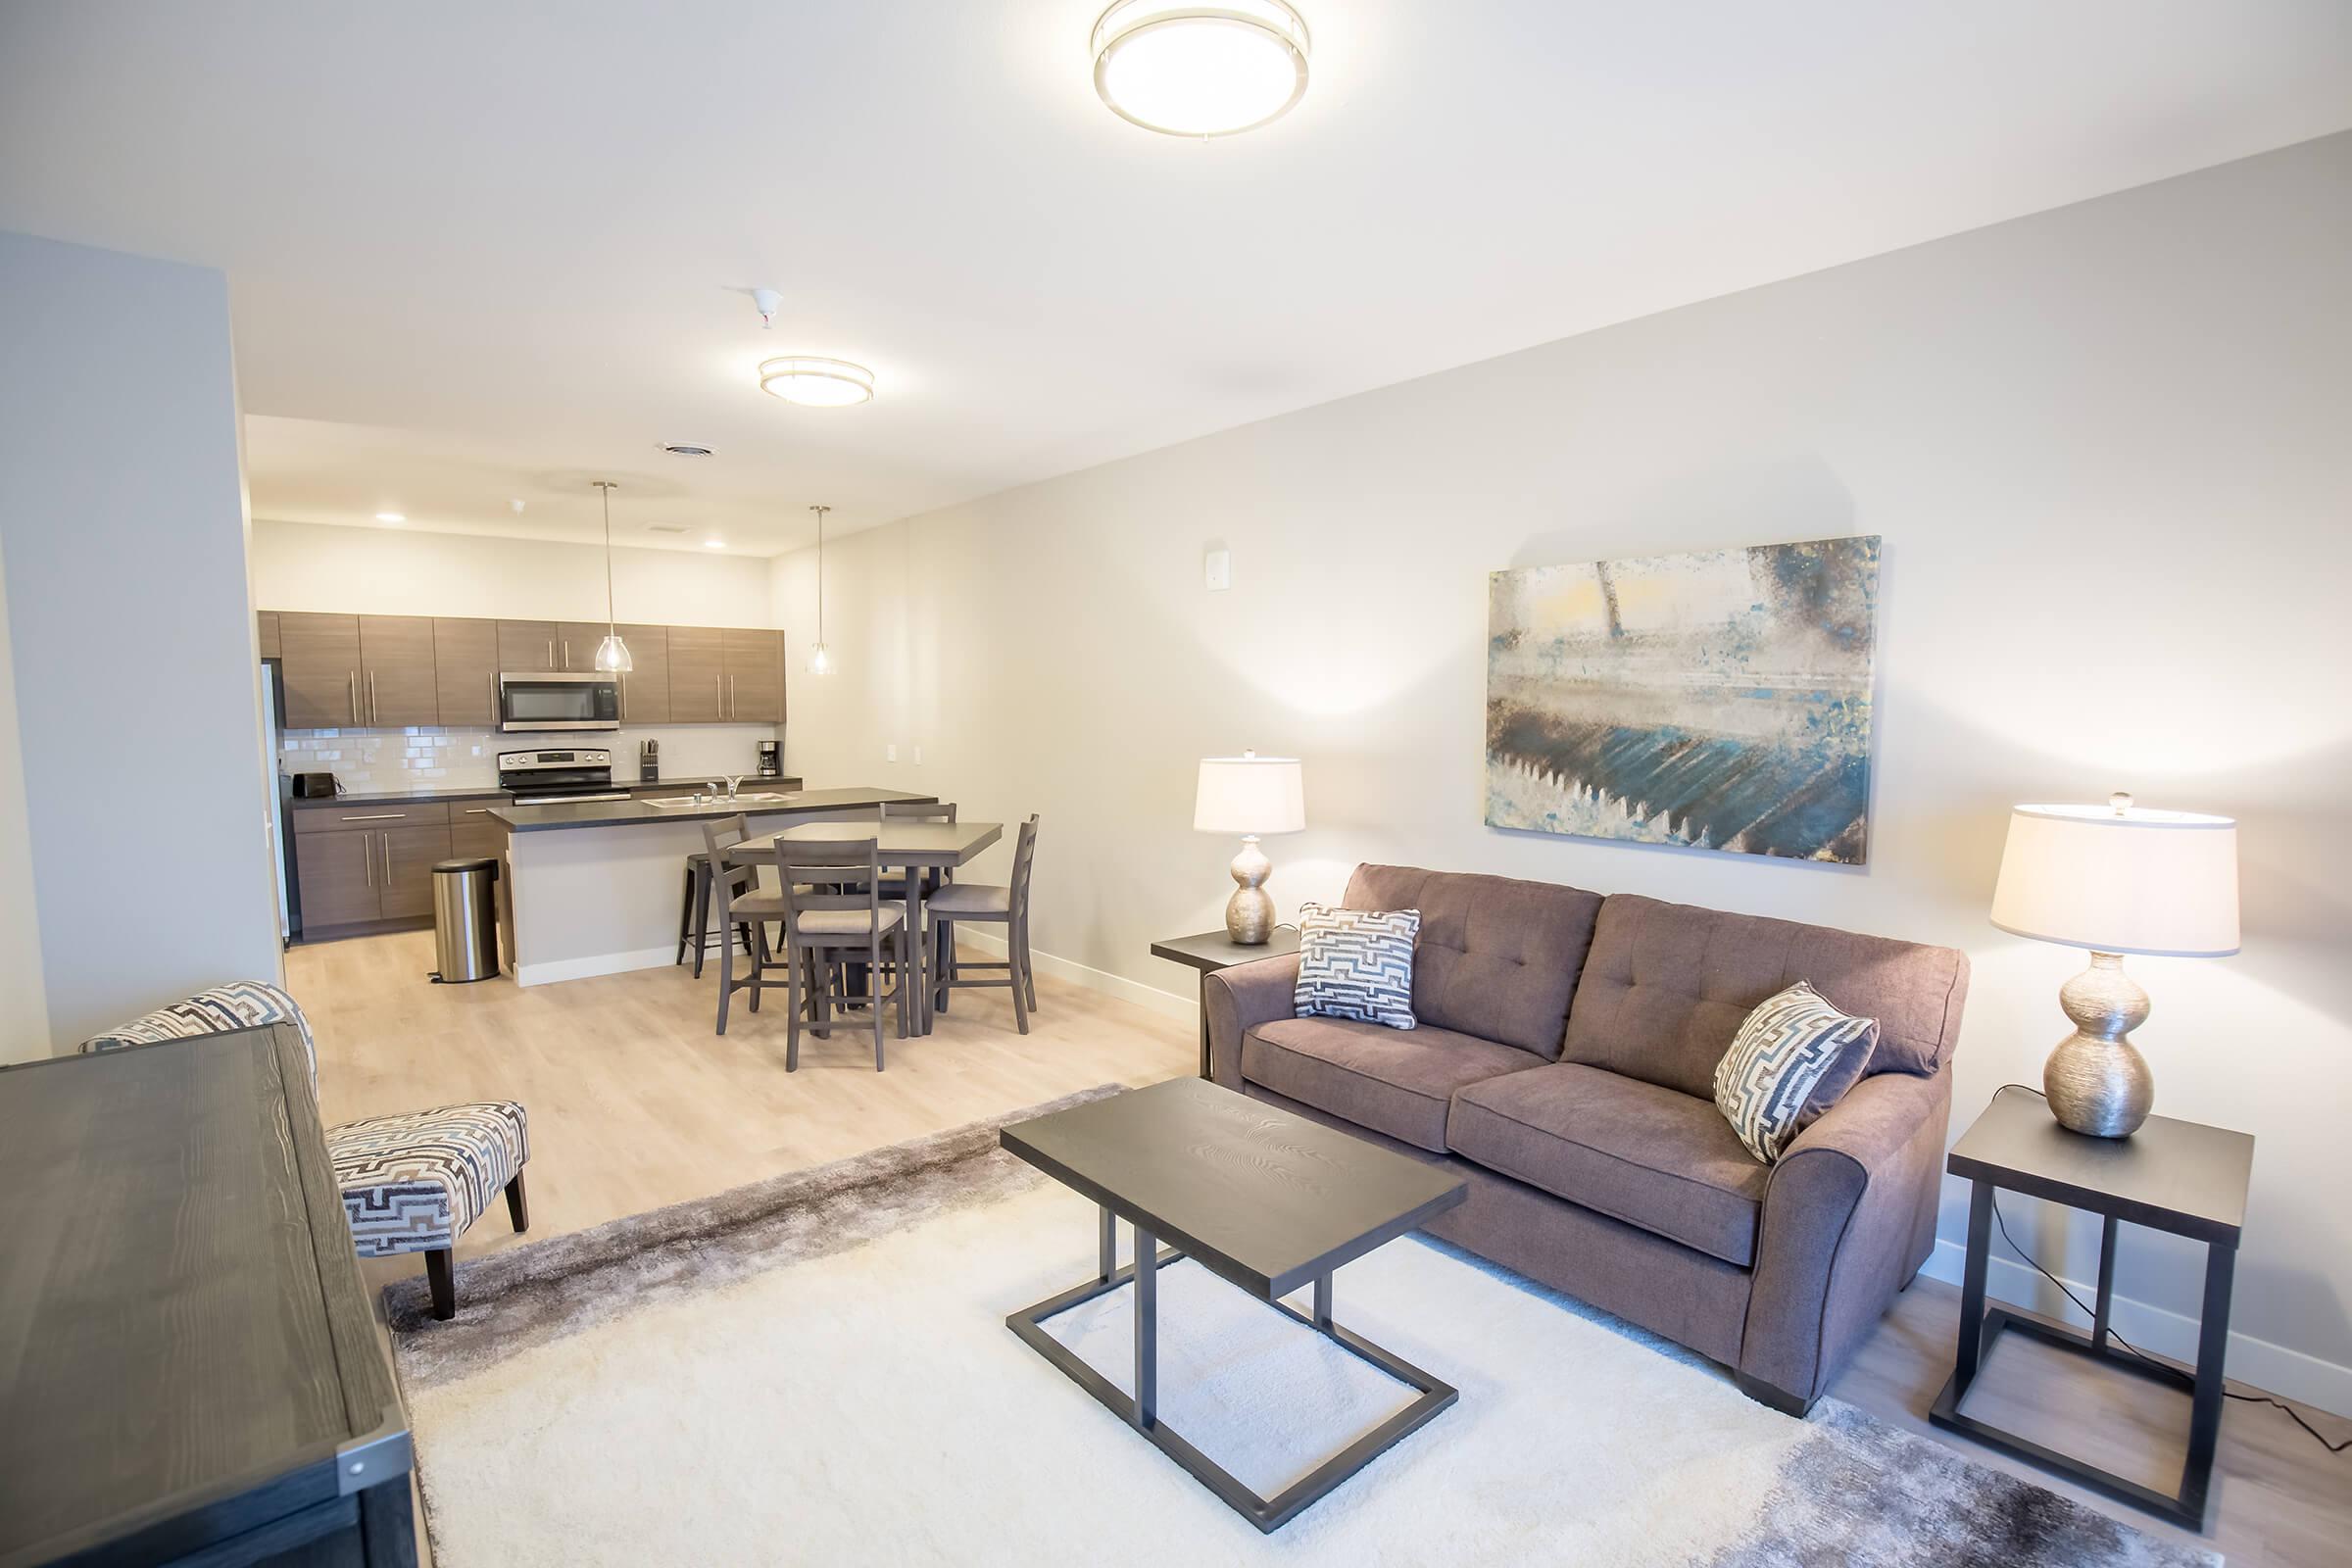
(1668, 985)
(1665, 1162)
(1389, 1081)
(1497, 959)
(1356, 963)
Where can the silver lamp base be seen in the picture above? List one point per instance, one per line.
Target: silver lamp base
(1249, 912)
(2098, 1081)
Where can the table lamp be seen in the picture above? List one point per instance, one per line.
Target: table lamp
(1250, 795)
(2117, 879)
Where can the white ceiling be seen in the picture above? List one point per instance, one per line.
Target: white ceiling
(484, 252)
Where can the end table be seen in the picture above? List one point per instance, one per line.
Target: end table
(2177, 1176)
(1211, 950)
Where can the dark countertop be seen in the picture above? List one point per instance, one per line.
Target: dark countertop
(626, 813)
(676, 781)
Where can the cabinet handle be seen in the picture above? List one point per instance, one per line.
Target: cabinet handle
(353, 677)
(477, 810)
(551, 653)
(624, 696)
(567, 653)
(380, 817)
(734, 707)
(375, 714)
(721, 681)
(368, 856)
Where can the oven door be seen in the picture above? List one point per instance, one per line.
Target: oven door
(546, 700)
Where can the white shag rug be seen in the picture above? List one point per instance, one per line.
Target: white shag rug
(818, 1371)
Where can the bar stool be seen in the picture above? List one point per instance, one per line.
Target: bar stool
(694, 915)
(834, 912)
(745, 909)
(1009, 906)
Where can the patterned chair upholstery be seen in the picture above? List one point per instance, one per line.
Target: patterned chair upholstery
(410, 1183)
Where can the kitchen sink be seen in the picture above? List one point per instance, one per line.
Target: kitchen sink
(679, 803)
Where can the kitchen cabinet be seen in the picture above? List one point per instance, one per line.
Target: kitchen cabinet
(466, 670)
(528, 647)
(755, 676)
(264, 624)
(397, 687)
(472, 833)
(645, 688)
(359, 864)
(335, 874)
(577, 643)
(698, 676)
(405, 859)
(319, 669)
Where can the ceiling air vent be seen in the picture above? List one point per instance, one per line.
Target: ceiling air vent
(685, 448)
(665, 527)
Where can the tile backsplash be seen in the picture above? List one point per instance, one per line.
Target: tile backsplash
(366, 762)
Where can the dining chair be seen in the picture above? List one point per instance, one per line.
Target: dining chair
(743, 908)
(834, 912)
(1006, 906)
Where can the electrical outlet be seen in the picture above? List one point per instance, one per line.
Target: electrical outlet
(890, 754)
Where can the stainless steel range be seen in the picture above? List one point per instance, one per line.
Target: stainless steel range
(552, 778)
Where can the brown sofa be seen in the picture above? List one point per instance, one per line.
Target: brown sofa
(1564, 1063)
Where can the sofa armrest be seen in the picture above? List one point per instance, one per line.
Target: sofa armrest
(1849, 1218)
(1237, 1000)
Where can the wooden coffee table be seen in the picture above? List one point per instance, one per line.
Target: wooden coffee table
(1262, 1198)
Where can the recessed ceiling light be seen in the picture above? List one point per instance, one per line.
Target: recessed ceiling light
(715, 544)
(1193, 69)
(390, 516)
(685, 448)
(816, 383)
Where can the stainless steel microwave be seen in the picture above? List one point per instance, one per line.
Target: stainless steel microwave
(550, 700)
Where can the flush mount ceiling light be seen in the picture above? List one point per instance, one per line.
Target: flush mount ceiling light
(391, 517)
(1200, 69)
(816, 383)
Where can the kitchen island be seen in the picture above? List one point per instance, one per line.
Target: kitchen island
(594, 887)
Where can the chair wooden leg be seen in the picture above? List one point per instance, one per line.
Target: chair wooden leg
(791, 1028)
(441, 1275)
(518, 1210)
(685, 919)
(702, 918)
(758, 931)
(1013, 981)
(1028, 964)
(726, 980)
(873, 992)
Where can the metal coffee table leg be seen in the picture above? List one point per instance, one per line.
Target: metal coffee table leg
(1140, 1409)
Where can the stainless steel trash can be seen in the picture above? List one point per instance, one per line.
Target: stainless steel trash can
(465, 918)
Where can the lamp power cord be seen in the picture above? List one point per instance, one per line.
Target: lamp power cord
(2068, 1290)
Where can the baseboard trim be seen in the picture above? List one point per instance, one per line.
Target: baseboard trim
(540, 974)
(1166, 1003)
(2274, 1368)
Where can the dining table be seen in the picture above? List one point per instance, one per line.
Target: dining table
(926, 849)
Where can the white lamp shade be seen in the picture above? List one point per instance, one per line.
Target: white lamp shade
(1250, 795)
(2133, 880)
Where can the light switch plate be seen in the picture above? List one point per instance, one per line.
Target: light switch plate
(890, 754)
(1217, 570)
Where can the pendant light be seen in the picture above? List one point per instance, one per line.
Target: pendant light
(819, 662)
(612, 655)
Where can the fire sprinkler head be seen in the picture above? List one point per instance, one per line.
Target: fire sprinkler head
(770, 301)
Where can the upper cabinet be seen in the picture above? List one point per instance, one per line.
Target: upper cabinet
(645, 686)
(394, 671)
(755, 676)
(319, 669)
(528, 647)
(466, 669)
(698, 676)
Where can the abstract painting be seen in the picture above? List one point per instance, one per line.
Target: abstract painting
(1718, 701)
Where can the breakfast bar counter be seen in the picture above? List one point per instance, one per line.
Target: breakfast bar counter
(594, 887)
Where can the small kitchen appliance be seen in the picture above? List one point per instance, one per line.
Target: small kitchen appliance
(315, 786)
(558, 778)
(772, 760)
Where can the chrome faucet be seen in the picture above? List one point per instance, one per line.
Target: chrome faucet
(734, 782)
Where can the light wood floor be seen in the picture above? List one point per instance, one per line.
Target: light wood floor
(635, 1102)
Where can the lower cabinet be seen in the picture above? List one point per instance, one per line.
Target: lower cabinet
(471, 833)
(358, 868)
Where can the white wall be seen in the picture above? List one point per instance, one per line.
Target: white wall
(2110, 451)
(408, 571)
(122, 519)
(23, 998)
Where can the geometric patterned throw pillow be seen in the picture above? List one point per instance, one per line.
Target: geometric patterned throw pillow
(1793, 1058)
(240, 1005)
(1356, 963)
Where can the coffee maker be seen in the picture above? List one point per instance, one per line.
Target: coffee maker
(772, 760)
